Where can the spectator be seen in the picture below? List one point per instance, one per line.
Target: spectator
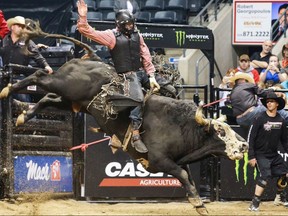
(281, 26)
(268, 130)
(260, 60)
(3, 26)
(14, 50)
(130, 5)
(244, 99)
(284, 61)
(245, 67)
(272, 75)
(130, 56)
(226, 83)
(3, 31)
(225, 104)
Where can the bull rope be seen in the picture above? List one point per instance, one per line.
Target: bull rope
(214, 102)
(84, 146)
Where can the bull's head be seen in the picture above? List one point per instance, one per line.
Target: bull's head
(235, 144)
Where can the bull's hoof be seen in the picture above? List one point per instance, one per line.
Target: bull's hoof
(21, 119)
(202, 210)
(5, 91)
(195, 201)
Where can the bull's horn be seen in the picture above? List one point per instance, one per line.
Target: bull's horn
(222, 118)
(200, 119)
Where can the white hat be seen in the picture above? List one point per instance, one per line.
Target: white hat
(16, 20)
(241, 75)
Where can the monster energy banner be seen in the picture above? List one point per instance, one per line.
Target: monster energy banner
(167, 36)
(238, 178)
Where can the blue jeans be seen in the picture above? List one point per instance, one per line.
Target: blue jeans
(136, 113)
(247, 120)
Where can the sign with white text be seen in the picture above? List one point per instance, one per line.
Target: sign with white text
(109, 175)
(252, 20)
(43, 173)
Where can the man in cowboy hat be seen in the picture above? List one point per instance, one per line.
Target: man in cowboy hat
(267, 131)
(16, 51)
(244, 99)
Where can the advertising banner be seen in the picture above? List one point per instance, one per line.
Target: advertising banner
(168, 36)
(43, 173)
(252, 20)
(109, 175)
(238, 178)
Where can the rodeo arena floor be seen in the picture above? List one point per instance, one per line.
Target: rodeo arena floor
(45, 204)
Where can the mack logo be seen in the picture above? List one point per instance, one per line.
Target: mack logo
(180, 37)
(36, 172)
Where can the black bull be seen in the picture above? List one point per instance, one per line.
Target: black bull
(173, 133)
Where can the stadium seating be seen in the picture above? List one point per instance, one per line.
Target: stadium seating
(153, 6)
(94, 16)
(156, 11)
(165, 17)
(110, 16)
(74, 16)
(195, 6)
(91, 5)
(181, 9)
(105, 6)
(144, 17)
(72, 31)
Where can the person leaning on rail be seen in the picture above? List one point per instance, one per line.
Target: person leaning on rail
(16, 51)
(245, 99)
(260, 60)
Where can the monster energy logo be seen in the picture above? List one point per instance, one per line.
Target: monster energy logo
(180, 37)
(245, 169)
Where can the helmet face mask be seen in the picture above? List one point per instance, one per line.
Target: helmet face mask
(123, 19)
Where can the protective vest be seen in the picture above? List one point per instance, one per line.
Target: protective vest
(126, 53)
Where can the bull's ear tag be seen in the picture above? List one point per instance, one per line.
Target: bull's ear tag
(32, 88)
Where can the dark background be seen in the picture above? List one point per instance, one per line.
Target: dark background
(53, 15)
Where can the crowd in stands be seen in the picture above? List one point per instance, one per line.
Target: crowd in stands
(266, 70)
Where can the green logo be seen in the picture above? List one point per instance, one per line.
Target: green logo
(180, 37)
(245, 169)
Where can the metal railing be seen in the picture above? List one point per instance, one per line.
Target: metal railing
(209, 13)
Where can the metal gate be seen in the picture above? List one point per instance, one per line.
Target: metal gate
(35, 156)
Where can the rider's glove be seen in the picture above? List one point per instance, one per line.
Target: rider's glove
(153, 83)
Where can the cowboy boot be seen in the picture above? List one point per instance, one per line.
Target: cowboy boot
(136, 139)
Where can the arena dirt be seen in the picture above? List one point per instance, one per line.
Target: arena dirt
(46, 204)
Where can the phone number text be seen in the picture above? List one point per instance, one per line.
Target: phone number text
(256, 33)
